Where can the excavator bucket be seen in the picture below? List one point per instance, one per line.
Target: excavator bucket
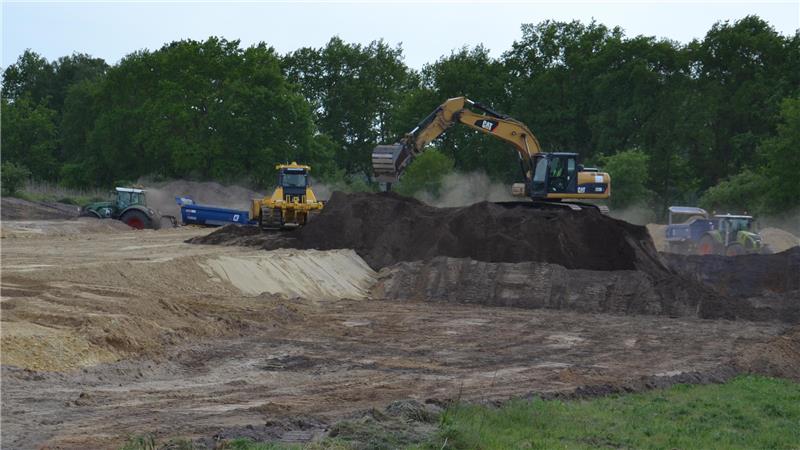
(388, 161)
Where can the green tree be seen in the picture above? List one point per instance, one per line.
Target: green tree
(474, 74)
(782, 157)
(629, 178)
(739, 193)
(13, 177)
(196, 109)
(425, 173)
(743, 70)
(31, 76)
(30, 136)
(771, 188)
(354, 91)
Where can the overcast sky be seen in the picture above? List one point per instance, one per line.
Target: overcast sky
(426, 29)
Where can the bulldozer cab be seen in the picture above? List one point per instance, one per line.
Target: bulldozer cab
(126, 197)
(554, 173)
(293, 178)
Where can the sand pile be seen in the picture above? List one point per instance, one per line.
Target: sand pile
(308, 274)
(657, 233)
(779, 240)
(63, 318)
(18, 209)
(79, 226)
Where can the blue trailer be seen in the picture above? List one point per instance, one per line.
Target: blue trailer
(212, 216)
(684, 236)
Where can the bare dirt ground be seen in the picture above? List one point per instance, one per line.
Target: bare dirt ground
(111, 334)
(18, 209)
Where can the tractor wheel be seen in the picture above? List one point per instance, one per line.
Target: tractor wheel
(707, 246)
(734, 250)
(136, 219)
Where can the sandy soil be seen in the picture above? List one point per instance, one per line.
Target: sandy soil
(105, 335)
(12, 208)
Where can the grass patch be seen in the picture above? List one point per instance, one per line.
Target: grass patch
(748, 412)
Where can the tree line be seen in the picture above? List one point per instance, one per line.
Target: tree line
(715, 121)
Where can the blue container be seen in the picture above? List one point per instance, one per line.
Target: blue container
(192, 213)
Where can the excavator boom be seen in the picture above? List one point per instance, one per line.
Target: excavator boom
(547, 176)
(389, 161)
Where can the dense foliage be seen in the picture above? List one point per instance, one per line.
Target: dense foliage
(715, 119)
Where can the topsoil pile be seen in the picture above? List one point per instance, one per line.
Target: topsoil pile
(386, 228)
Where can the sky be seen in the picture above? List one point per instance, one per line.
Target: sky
(427, 30)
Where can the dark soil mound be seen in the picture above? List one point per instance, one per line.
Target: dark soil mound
(541, 285)
(387, 228)
(743, 276)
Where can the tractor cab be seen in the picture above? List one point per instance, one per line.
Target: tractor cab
(293, 179)
(738, 229)
(126, 197)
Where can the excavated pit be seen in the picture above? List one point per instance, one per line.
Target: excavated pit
(743, 276)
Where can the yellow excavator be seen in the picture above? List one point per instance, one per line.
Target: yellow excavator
(549, 177)
(291, 204)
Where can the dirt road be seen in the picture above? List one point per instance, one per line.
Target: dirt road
(111, 334)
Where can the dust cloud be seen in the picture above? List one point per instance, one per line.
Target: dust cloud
(464, 189)
(161, 196)
(639, 214)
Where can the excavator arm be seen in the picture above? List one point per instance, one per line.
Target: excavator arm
(389, 161)
(549, 177)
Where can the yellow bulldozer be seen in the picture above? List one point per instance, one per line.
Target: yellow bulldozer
(291, 204)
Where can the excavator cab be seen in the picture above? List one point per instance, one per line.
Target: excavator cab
(554, 173)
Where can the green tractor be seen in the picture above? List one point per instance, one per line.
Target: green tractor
(128, 206)
(732, 235)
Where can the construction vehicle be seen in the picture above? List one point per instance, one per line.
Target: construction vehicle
(193, 213)
(548, 177)
(733, 235)
(686, 226)
(292, 203)
(722, 234)
(129, 206)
